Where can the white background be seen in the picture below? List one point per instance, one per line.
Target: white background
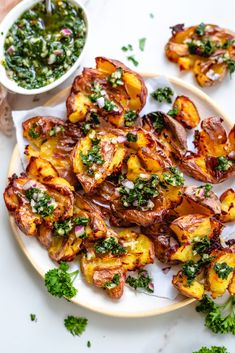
(114, 23)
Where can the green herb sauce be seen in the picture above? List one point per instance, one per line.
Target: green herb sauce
(39, 48)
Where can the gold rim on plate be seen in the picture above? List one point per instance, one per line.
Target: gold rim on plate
(15, 158)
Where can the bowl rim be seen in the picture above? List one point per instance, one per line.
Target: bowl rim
(8, 21)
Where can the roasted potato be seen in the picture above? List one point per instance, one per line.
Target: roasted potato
(227, 200)
(190, 228)
(220, 272)
(186, 112)
(198, 199)
(95, 158)
(194, 290)
(204, 49)
(53, 140)
(112, 82)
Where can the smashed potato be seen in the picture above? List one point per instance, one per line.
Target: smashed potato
(227, 200)
(205, 49)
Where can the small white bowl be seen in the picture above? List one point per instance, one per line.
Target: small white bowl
(5, 25)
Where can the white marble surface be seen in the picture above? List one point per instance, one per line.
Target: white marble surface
(114, 24)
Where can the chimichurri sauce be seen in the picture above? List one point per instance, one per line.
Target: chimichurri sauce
(40, 48)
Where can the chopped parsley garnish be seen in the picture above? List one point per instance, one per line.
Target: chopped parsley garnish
(89, 344)
(213, 349)
(63, 228)
(142, 42)
(142, 281)
(151, 15)
(59, 281)
(207, 189)
(33, 132)
(173, 112)
(200, 30)
(114, 283)
(201, 245)
(97, 92)
(115, 79)
(56, 129)
(91, 123)
(110, 106)
(230, 65)
(81, 221)
(33, 317)
(133, 60)
(220, 318)
(93, 156)
(174, 177)
(131, 137)
(109, 245)
(204, 47)
(127, 47)
(190, 269)
(130, 117)
(164, 94)
(157, 120)
(75, 325)
(223, 164)
(228, 43)
(40, 201)
(140, 193)
(223, 270)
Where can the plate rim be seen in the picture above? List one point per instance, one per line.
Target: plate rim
(15, 156)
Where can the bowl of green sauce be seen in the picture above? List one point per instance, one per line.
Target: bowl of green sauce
(40, 49)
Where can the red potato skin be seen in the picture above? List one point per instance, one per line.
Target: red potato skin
(103, 275)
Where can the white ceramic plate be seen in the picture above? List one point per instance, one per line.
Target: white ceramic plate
(131, 304)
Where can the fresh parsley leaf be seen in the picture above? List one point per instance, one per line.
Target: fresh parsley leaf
(163, 94)
(115, 79)
(89, 344)
(41, 202)
(109, 245)
(223, 270)
(142, 42)
(127, 48)
(75, 325)
(207, 189)
(205, 47)
(59, 282)
(131, 137)
(33, 132)
(213, 349)
(157, 121)
(223, 164)
(200, 30)
(109, 106)
(133, 60)
(230, 65)
(93, 156)
(220, 318)
(142, 281)
(33, 317)
(190, 269)
(81, 221)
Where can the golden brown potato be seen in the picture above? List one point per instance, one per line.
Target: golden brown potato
(111, 81)
(55, 142)
(204, 49)
(95, 158)
(227, 200)
(231, 287)
(64, 248)
(188, 228)
(186, 112)
(220, 272)
(140, 250)
(198, 199)
(194, 290)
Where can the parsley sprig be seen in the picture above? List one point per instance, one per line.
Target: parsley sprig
(141, 281)
(213, 349)
(164, 94)
(220, 318)
(59, 282)
(75, 325)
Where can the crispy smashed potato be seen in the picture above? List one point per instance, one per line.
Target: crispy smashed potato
(227, 200)
(112, 90)
(220, 272)
(186, 112)
(106, 187)
(205, 49)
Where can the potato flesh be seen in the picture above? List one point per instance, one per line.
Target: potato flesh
(195, 290)
(228, 206)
